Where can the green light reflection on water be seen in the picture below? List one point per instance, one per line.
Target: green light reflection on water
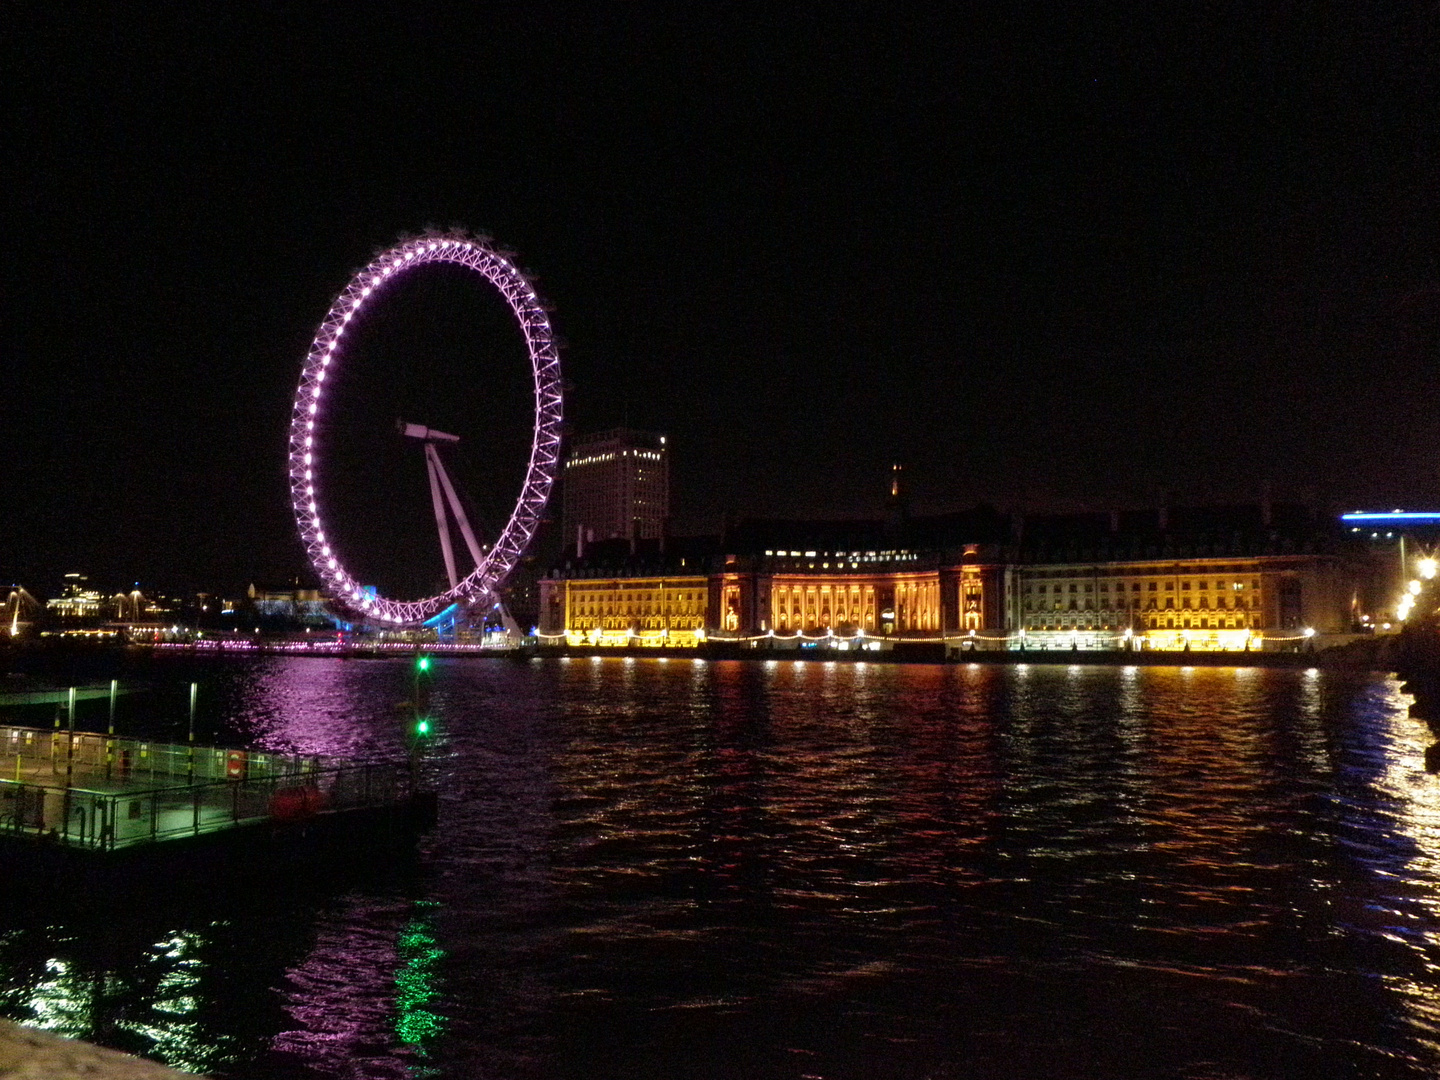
(417, 980)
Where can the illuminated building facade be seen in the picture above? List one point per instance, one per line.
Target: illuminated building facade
(840, 592)
(1217, 578)
(925, 578)
(1200, 603)
(646, 611)
(619, 594)
(310, 607)
(616, 486)
(77, 601)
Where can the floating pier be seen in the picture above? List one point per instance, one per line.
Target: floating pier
(86, 791)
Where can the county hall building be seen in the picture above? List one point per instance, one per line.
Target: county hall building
(1207, 578)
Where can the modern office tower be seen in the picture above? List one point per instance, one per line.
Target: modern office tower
(617, 485)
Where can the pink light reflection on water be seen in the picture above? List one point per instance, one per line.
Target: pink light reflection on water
(322, 705)
(342, 996)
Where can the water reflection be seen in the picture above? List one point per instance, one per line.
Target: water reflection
(802, 868)
(417, 983)
(359, 1001)
(1389, 809)
(164, 996)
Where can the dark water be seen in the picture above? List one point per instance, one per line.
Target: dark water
(688, 869)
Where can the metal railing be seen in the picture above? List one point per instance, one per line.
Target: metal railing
(125, 792)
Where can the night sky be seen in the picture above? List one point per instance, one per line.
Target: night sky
(1048, 256)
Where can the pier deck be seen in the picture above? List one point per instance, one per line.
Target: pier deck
(104, 793)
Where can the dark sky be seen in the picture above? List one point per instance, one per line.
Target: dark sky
(1049, 256)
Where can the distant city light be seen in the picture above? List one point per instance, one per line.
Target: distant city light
(1414, 517)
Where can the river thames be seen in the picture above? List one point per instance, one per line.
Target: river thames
(681, 868)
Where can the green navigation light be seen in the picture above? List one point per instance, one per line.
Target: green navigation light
(423, 663)
(422, 727)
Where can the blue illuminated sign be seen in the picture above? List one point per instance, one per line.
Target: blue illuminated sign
(1396, 517)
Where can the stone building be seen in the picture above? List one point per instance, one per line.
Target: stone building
(1208, 578)
(620, 593)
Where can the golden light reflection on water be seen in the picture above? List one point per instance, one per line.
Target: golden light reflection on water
(1411, 889)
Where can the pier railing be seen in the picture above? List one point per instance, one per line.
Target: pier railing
(104, 793)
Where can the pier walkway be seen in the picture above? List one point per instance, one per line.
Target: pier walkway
(104, 793)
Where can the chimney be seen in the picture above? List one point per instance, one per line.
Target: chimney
(579, 541)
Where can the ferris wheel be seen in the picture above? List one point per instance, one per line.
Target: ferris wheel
(308, 475)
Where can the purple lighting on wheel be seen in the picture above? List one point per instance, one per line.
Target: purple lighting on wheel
(307, 467)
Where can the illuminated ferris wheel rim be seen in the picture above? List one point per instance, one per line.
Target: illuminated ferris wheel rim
(306, 466)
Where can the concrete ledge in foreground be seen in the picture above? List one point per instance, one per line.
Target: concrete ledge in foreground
(28, 1054)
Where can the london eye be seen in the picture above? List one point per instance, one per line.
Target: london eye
(314, 475)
